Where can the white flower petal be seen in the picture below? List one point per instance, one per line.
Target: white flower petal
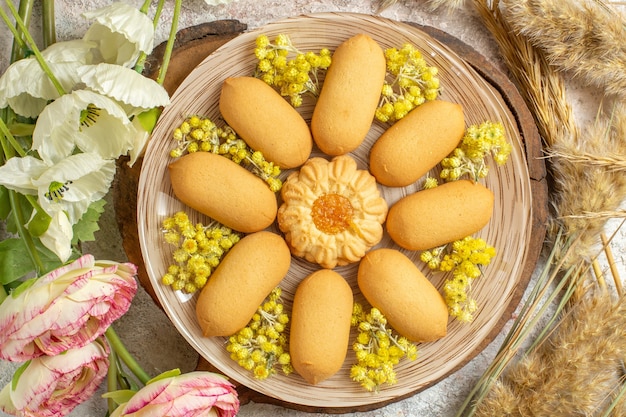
(133, 91)
(58, 130)
(122, 32)
(25, 105)
(140, 140)
(87, 178)
(27, 88)
(112, 134)
(18, 173)
(58, 237)
(53, 136)
(75, 51)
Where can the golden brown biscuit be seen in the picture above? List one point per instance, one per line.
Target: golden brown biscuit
(320, 325)
(265, 121)
(416, 143)
(224, 191)
(392, 283)
(349, 97)
(433, 217)
(248, 273)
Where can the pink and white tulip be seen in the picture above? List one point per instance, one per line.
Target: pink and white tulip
(52, 386)
(67, 308)
(193, 394)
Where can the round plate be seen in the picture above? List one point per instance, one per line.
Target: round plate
(509, 229)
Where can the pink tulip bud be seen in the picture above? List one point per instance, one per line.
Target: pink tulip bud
(52, 386)
(67, 308)
(193, 394)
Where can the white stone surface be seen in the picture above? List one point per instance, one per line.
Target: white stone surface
(145, 329)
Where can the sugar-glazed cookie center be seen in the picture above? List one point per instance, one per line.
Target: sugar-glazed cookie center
(332, 213)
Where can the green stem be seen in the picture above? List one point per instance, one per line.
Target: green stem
(616, 401)
(4, 130)
(25, 11)
(141, 61)
(49, 28)
(31, 43)
(18, 43)
(145, 6)
(16, 211)
(170, 43)
(112, 380)
(23, 232)
(118, 346)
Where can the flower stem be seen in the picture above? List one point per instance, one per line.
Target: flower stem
(6, 133)
(49, 29)
(18, 42)
(146, 5)
(112, 380)
(16, 212)
(155, 20)
(25, 11)
(118, 347)
(170, 43)
(23, 232)
(31, 43)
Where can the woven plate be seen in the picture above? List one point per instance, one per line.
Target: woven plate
(509, 230)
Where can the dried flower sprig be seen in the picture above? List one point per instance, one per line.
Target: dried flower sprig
(587, 194)
(583, 37)
(576, 225)
(575, 371)
(554, 286)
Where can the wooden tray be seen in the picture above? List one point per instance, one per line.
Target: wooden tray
(195, 43)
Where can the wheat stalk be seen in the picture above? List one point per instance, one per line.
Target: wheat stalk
(542, 89)
(588, 193)
(583, 200)
(583, 37)
(573, 372)
(585, 158)
(588, 187)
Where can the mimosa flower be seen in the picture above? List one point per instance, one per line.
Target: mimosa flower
(27, 88)
(133, 92)
(68, 308)
(188, 395)
(84, 119)
(121, 32)
(71, 185)
(52, 386)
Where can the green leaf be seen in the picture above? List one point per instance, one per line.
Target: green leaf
(23, 287)
(148, 118)
(120, 396)
(25, 210)
(166, 374)
(39, 223)
(14, 260)
(88, 224)
(5, 203)
(18, 373)
(49, 259)
(22, 129)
